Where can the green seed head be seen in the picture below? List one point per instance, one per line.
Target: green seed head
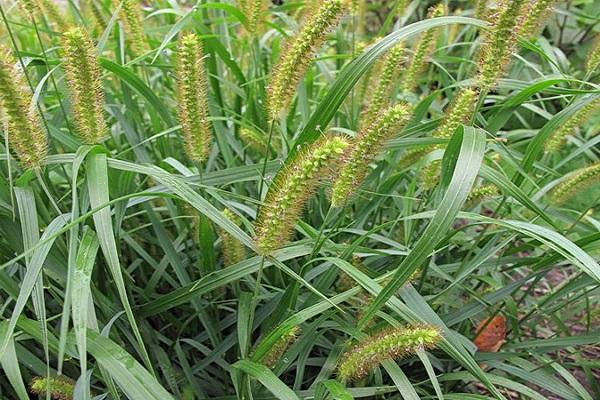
(480, 193)
(388, 345)
(280, 347)
(298, 55)
(83, 81)
(459, 113)
(423, 51)
(131, 17)
(500, 42)
(192, 97)
(290, 191)
(25, 134)
(29, 6)
(534, 17)
(254, 140)
(381, 94)
(558, 138)
(233, 249)
(60, 388)
(256, 13)
(365, 148)
(412, 156)
(575, 183)
(593, 60)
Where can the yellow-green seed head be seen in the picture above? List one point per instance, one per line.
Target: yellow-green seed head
(430, 175)
(499, 44)
(534, 17)
(131, 17)
(280, 347)
(423, 51)
(575, 183)
(94, 12)
(593, 60)
(365, 148)
(481, 9)
(558, 138)
(254, 140)
(481, 193)
(412, 156)
(29, 6)
(381, 94)
(83, 81)
(459, 113)
(233, 249)
(192, 97)
(390, 344)
(60, 388)
(298, 55)
(256, 13)
(25, 134)
(54, 15)
(290, 191)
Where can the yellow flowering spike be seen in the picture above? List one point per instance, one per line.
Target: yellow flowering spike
(575, 183)
(53, 14)
(131, 17)
(365, 148)
(534, 17)
(233, 249)
(60, 388)
(593, 60)
(25, 134)
(256, 12)
(280, 347)
(290, 191)
(298, 55)
(459, 113)
(390, 344)
(499, 43)
(557, 140)
(83, 81)
(480, 193)
(381, 94)
(192, 97)
(423, 50)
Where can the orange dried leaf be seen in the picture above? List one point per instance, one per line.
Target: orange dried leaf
(490, 334)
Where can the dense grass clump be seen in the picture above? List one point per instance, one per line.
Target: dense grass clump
(319, 199)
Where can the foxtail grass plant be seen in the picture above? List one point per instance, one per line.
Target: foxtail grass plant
(26, 136)
(83, 81)
(365, 147)
(534, 17)
(288, 194)
(390, 344)
(500, 41)
(131, 18)
(59, 388)
(233, 249)
(192, 97)
(422, 51)
(276, 352)
(298, 55)
(557, 140)
(383, 89)
(593, 60)
(575, 183)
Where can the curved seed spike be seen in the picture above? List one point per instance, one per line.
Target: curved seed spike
(500, 41)
(480, 193)
(459, 112)
(288, 194)
(83, 81)
(54, 15)
(366, 146)
(575, 183)
(298, 55)
(423, 50)
(192, 97)
(25, 134)
(534, 17)
(233, 249)
(381, 95)
(390, 344)
(60, 388)
(558, 138)
(131, 16)
(280, 347)
(256, 12)
(593, 61)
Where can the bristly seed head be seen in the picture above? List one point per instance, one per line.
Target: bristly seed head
(233, 249)
(534, 17)
(498, 46)
(288, 194)
(25, 134)
(192, 97)
(131, 17)
(60, 388)
(280, 347)
(366, 146)
(298, 55)
(423, 50)
(83, 81)
(557, 140)
(390, 344)
(593, 61)
(575, 183)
